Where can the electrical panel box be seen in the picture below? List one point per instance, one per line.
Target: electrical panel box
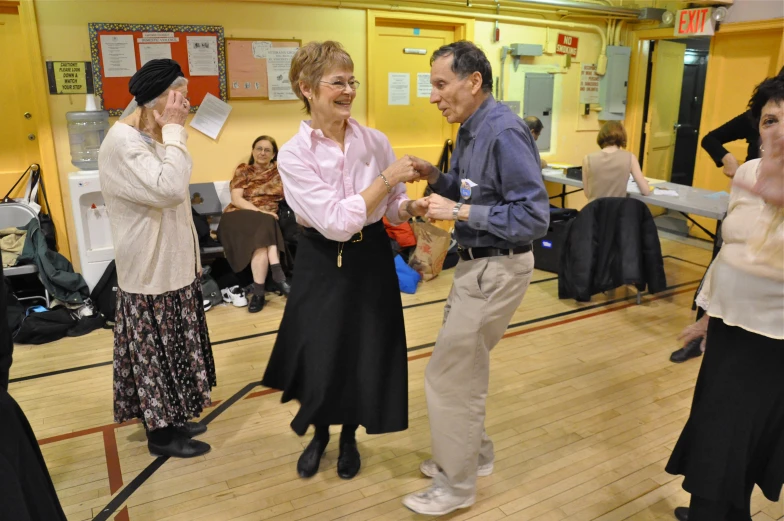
(525, 49)
(614, 84)
(538, 101)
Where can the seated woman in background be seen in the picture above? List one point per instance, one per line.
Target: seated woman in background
(606, 173)
(248, 229)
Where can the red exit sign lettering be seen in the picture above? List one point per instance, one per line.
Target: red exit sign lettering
(694, 22)
(566, 45)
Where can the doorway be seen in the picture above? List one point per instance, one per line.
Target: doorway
(674, 95)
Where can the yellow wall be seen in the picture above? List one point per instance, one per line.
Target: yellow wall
(62, 26)
(63, 32)
(573, 134)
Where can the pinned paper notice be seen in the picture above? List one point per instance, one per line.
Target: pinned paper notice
(260, 49)
(154, 51)
(424, 88)
(399, 88)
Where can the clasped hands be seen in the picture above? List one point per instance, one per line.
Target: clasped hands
(409, 169)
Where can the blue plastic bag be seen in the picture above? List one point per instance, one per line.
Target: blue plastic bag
(407, 277)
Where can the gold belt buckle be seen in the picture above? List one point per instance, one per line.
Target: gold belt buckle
(360, 237)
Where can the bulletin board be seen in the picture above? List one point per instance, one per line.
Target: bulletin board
(112, 73)
(247, 66)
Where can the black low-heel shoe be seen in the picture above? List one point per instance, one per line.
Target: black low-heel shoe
(179, 447)
(192, 429)
(690, 350)
(349, 461)
(256, 303)
(282, 288)
(309, 462)
(682, 514)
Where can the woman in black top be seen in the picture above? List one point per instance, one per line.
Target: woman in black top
(740, 127)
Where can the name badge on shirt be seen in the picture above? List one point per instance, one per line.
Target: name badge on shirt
(465, 188)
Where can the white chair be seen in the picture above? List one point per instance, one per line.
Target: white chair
(14, 215)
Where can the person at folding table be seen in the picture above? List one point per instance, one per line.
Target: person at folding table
(495, 193)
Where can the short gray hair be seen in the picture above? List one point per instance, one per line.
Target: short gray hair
(179, 81)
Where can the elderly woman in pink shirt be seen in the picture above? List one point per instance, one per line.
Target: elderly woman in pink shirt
(341, 347)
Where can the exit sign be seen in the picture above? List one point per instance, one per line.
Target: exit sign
(694, 22)
(566, 45)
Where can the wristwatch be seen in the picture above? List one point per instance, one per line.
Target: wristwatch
(456, 210)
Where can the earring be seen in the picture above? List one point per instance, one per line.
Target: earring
(310, 98)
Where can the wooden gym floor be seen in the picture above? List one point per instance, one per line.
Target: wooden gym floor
(584, 408)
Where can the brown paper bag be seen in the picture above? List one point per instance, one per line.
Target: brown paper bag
(431, 249)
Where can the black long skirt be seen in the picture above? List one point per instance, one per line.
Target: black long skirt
(341, 347)
(735, 432)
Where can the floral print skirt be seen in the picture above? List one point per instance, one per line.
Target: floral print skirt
(163, 365)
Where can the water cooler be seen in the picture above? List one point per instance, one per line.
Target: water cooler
(86, 130)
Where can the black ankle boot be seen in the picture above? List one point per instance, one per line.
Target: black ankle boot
(309, 462)
(349, 461)
(170, 442)
(192, 429)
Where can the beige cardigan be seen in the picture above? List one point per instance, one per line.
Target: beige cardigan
(145, 187)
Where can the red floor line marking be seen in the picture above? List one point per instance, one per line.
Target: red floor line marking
(113, 467)
(594, 314)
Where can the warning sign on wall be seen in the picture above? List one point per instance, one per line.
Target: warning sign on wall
(70, 77)
(589, 84)
(566, 45)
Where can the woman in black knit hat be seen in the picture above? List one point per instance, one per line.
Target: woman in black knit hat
(163, 364)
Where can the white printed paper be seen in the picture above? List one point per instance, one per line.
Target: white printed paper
(203, 55)
(589, 84)
(278, 65)
(211, 116)
(399, 88)
(154, 51)
(119, 59)
(423, 85)
(260, 49)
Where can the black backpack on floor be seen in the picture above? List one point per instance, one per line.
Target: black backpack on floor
(44, 327)
(104, 295)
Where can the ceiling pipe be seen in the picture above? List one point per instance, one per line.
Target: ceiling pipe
(579, 6)
(601, 61)
(491, 6)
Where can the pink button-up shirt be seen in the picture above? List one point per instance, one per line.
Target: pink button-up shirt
(322, 183)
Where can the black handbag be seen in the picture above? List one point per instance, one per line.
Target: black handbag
(288, 223)
(44, 218)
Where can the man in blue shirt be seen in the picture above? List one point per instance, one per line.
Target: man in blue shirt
(495, 193)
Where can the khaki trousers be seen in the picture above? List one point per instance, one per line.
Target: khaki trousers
(485, 294)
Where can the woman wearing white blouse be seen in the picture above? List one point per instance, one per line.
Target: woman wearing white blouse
(734, 437)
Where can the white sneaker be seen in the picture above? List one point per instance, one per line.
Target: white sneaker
(436, 501)
(235, 295)
(207, 305)
(431, 469)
